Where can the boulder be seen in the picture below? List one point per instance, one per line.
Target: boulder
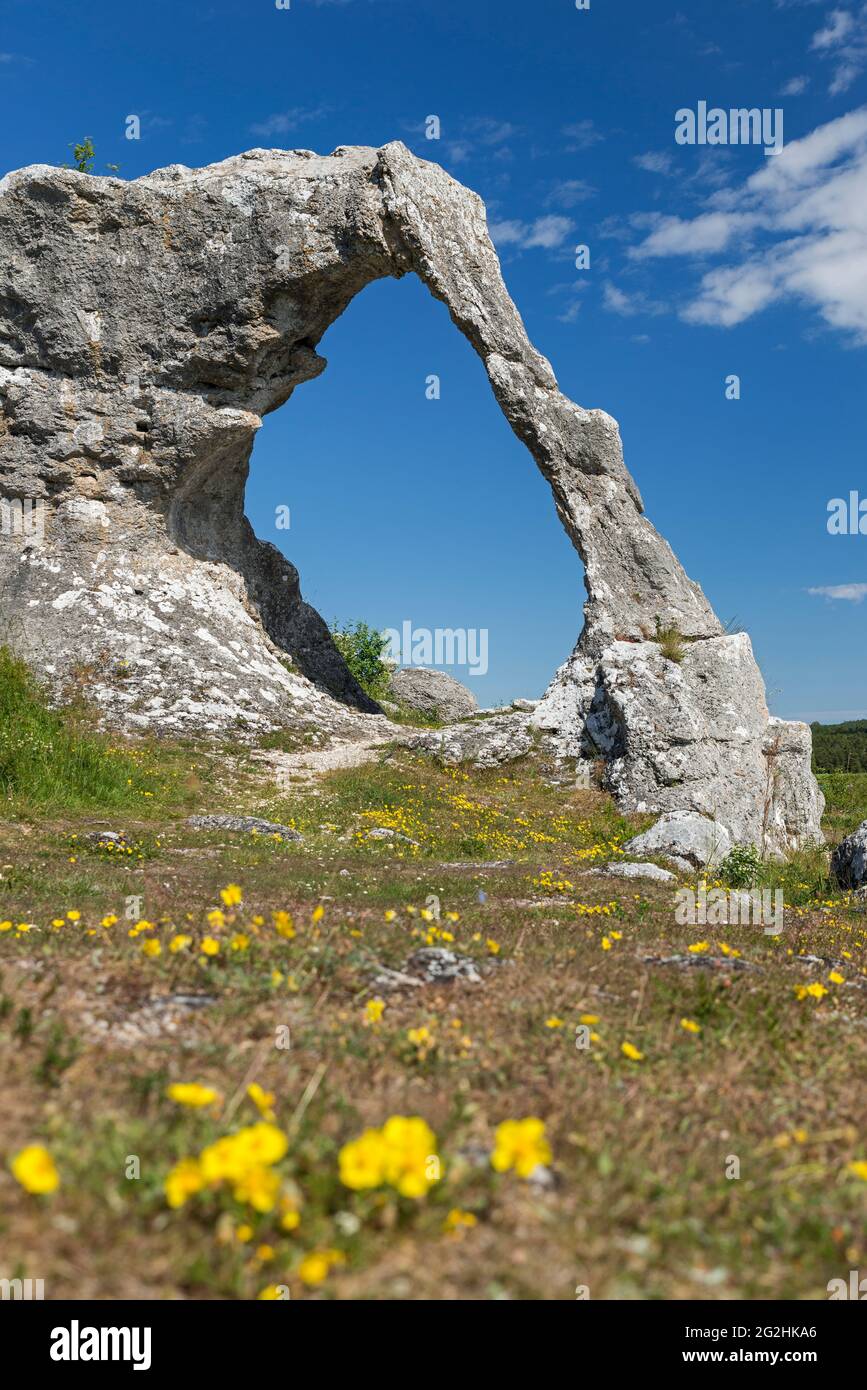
(651, 871)
(484, 743)
(429, 965)
(849, 860)
(248, 825)
(703, 843)
(433, 693)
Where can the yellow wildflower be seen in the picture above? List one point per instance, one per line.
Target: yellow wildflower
(401, 1154)
(362, 1161)
(262, 1143)
(290, 1218)
(520, 1144)
(263, 1100)
(258, 1187)
(814, 991)
(315, 1267)
(457, 1219)
(192, 1094)
(183, 1181)
(283, 925)
(411, 1163)
(34, 1169)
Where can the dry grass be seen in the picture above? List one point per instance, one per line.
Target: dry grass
(638, 1204)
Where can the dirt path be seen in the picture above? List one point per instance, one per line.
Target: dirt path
(303, 769)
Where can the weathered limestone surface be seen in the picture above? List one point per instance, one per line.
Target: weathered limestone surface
(145, 329)
(432, 692)
(684, 835)
(849, 860)
(482, 742)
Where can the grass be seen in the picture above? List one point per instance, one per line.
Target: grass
(504, 868)
(51, 760)
(416, 718)
(671, 642)
(846, 801)
(446, 814)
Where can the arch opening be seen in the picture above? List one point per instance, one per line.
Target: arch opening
(395, 488)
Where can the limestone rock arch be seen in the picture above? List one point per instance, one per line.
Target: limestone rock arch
(146, 328)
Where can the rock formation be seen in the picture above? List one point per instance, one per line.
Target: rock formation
(145, 329)
(433, 693)
(849, 860)
(685, 837)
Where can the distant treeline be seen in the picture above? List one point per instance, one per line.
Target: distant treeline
(840, 747)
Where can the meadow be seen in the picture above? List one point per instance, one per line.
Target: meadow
(221, 1078)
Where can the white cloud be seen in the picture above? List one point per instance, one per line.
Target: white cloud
(569, 192)
(459, 151)
(282, 122)
(678, 236)
(545, 232)
(843, 39)
(797, 229)
(570, 314)
(571, 291)
(481, 134)
(617, 301)
(489, 131)
(795, 86)
(583, 134)
(852, 593)
(654, 163)
(840, 24)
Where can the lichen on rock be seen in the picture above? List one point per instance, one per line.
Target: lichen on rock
(145, 329)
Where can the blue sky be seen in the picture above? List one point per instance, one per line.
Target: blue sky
(705, 261)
